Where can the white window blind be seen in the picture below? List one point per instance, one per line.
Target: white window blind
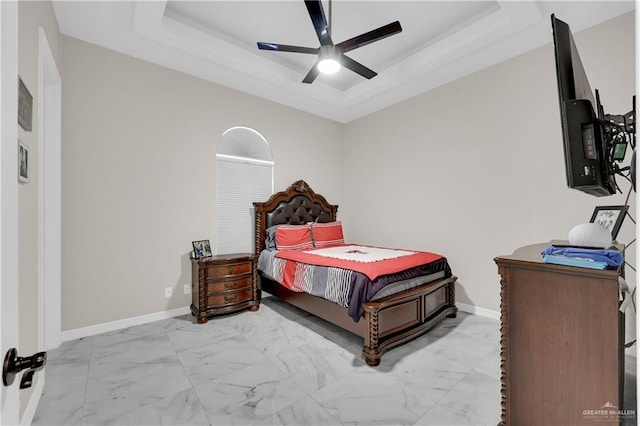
(240, 182)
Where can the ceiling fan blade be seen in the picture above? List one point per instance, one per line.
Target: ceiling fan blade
(316, 12)
(357, 67)
(286, 48)
(312, 74)
(370, 37)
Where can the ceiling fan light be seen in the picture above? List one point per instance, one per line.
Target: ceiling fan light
(328, 66)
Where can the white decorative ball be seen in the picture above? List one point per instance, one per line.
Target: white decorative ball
(590, 235)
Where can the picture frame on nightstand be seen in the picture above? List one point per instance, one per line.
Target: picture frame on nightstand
(201, 249)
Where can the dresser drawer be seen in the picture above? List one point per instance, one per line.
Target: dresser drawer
(230, 298)
(217, 271)
(226, 285)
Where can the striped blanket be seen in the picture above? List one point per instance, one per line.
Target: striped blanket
(329, 283)
(347, 287)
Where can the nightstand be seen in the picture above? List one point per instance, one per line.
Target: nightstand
(223, 284)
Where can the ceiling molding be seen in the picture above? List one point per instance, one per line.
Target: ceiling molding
(207, 40)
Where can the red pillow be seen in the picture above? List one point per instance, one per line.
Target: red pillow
(293, 237)
(327, 234)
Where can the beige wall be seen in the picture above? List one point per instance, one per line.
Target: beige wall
(32, 15)
(138, 180)
(474, 169)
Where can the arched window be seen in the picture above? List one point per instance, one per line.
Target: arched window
(244, 174)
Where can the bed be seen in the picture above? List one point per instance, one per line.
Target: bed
(386, 321)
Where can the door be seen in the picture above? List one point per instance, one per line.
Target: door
(49, 197)
(9, 398)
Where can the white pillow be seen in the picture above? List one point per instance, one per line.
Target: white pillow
(590, 235)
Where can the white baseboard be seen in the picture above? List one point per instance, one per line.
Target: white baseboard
(631, 351)
(478, 311)
(106, 327)
(32, 405)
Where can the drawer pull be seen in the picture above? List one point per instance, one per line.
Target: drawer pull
(230, 285)
(230, 299)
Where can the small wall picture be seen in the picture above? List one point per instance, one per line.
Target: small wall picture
(23, 163)
(25, 106)
(201, 249)
(610, 217)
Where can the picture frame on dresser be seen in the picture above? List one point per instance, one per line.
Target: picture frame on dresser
(201, 249)
(610, 217)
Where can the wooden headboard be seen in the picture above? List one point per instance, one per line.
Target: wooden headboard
(295, 205)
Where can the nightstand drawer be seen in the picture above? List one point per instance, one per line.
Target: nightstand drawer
(230, 298)
(217, 271)
(226, 285)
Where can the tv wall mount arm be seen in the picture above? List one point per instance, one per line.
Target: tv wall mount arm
(619, 131)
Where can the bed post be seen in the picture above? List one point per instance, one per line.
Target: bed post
(451, 297)
(371, 351)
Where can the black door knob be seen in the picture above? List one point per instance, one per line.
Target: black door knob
(13, 364)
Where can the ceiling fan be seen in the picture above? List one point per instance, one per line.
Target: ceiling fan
(332, 56)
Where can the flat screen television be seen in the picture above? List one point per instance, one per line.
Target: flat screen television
(594, 142)
(587, 165)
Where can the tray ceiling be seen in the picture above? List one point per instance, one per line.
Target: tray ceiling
(216, 40)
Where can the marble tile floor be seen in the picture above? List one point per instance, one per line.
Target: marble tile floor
(276, 366)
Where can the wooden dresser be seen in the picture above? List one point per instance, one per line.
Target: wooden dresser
(562, 355)
(223, 284)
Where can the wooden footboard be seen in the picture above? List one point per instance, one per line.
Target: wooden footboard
(387, 322)
(401, 317)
